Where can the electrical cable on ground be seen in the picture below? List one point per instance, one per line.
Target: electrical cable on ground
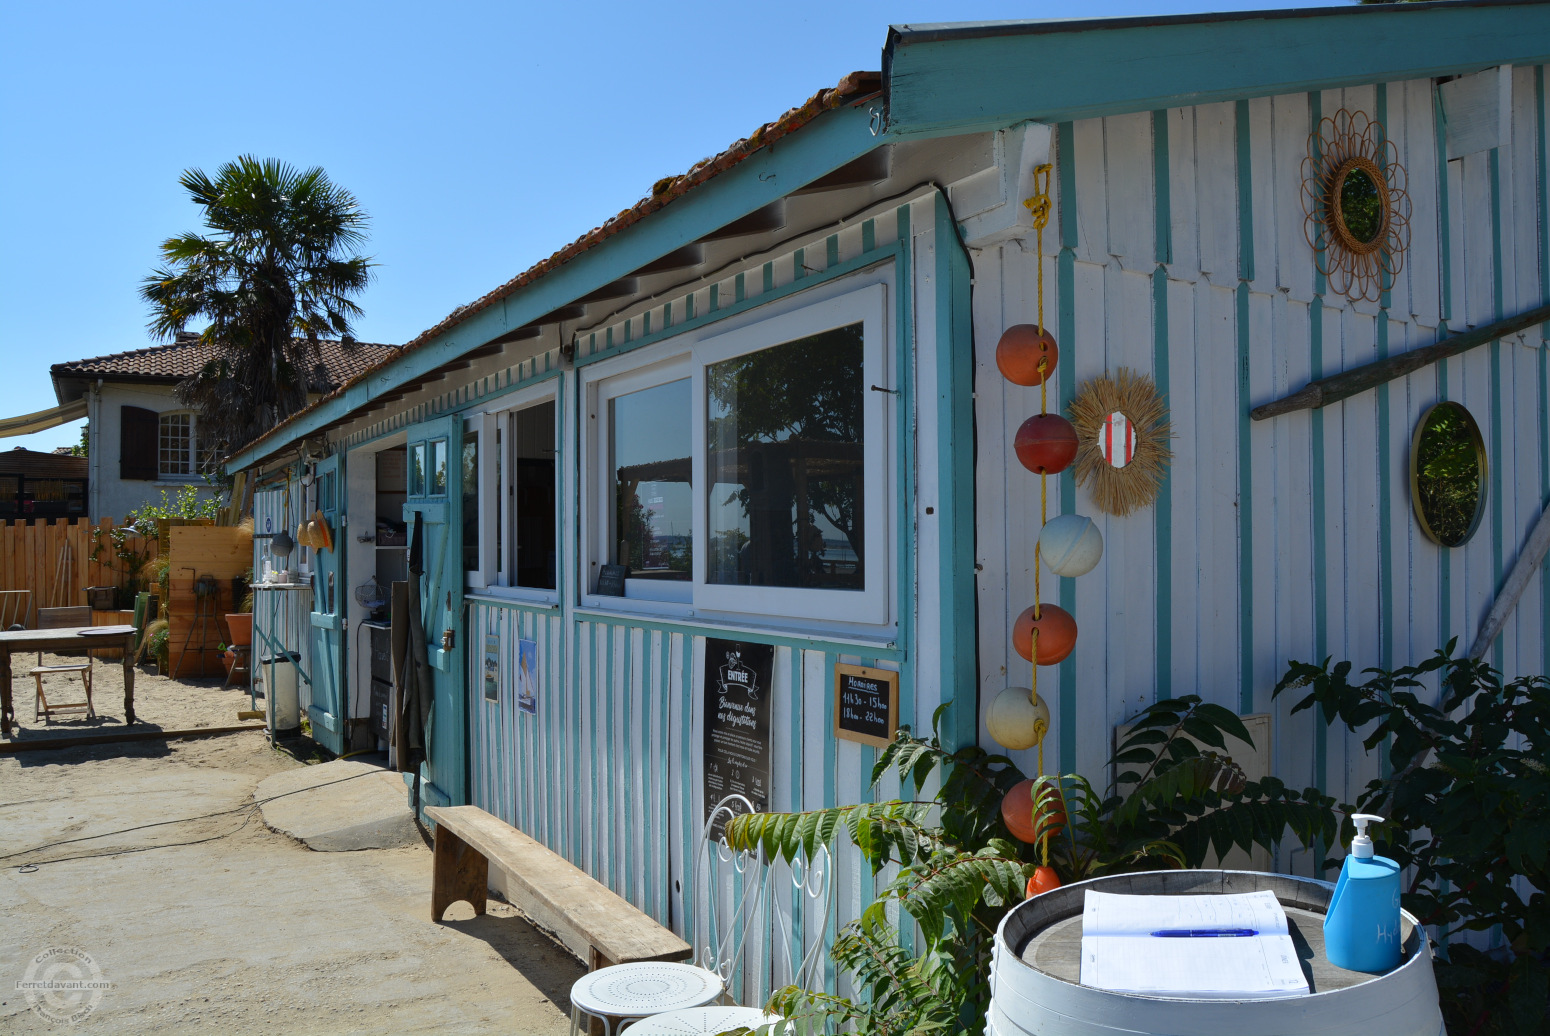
(247, 807)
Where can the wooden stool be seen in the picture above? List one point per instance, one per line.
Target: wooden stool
(41, 704)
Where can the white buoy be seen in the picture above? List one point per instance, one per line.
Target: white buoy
(1071, 544)
(1017, 719)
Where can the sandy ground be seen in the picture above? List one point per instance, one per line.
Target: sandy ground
(239, 929)
(159, 701)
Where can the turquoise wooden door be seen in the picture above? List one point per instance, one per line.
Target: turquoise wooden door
(326, 713)
(435, 496)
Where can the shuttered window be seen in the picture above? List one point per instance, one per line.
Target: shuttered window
(137, 432)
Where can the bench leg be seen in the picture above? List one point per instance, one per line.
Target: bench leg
(458, 872)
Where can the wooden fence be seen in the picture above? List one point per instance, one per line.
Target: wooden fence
(55, 562)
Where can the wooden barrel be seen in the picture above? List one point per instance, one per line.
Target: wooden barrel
(1036, 990)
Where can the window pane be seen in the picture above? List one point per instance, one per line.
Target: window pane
(784, 440)
(651, 467)
(533, 503)
(470, 501)
(500, 520)
(438, 471)
(417, 469)
(175, 445)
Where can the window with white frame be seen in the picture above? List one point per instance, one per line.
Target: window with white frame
(179, 453)
(514, 454)
(748, 474)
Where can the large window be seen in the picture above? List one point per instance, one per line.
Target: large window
(748, 474)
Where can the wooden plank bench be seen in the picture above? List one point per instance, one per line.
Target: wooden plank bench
(591, 921)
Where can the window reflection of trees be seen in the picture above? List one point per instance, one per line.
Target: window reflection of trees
(786, 458)
(1448, 473)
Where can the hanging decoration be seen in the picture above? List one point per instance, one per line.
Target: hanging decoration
(1355, 197)
(1071, 545)
(1018, 719)
(1122, 432)
(1026, 354)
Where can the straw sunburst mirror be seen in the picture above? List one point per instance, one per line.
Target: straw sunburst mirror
(1357, 206)
(1122, 440)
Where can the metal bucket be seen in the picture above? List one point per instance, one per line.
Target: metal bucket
(1036, 990)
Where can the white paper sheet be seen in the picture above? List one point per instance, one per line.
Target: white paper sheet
(1121, 953)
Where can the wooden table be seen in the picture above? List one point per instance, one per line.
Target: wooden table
(69, 638)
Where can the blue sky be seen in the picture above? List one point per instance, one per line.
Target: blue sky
(480, 137)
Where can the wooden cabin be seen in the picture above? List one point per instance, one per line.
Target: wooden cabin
(753, 432)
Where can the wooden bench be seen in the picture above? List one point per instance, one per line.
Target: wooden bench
(591, 921)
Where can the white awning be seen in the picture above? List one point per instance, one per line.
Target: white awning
(43, 419)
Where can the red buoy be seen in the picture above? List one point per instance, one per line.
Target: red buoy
(1022, 350)
(1017, 812)
(1045, 444)
(1044, 880)
(1057, 634)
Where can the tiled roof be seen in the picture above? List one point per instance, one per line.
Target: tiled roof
(853, 89)
(187, 355)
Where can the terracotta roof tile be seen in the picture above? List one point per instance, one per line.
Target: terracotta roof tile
(852, 89)
(183, 358)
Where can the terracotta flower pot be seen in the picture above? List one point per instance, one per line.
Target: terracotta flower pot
(240, 626)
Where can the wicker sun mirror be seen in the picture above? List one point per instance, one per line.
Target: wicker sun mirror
(1122, 440)
(1448, 468)
(1357, 205)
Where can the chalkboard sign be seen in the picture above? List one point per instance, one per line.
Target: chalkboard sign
(610, 580)
(737, 723)
(866, 704)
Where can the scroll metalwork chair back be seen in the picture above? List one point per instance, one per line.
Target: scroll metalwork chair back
(761, 923)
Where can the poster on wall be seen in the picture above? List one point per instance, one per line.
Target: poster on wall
(492, 665)
(527, 676)
(737, 723)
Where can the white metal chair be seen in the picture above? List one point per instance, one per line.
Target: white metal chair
(702, 1021)
(627, 993)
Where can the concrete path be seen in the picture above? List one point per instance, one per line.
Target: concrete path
(221, 925)
(340, 806)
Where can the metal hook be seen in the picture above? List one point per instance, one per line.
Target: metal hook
(876, 123)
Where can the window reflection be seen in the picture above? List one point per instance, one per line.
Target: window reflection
(785, 458)
(417, 469)
(438, 471)
(651, 465)
(470, 484)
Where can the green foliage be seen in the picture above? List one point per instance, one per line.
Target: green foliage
(276, 274)
(83, 448)
(1467, 805)
(959, 870)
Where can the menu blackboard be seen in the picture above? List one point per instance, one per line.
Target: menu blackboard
(737, 723)
(610, 580)
(866, 704)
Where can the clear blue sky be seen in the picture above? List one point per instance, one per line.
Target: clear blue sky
(480, 137)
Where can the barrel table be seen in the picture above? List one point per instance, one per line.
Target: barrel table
(1035, 975)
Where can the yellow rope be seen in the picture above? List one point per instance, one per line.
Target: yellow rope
(1039, 206)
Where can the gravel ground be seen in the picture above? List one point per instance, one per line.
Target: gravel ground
(160, 702)
(220, 924)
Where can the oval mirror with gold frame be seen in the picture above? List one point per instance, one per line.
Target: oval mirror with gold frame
(1448, 474)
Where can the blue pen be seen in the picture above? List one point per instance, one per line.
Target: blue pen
(1204, 933)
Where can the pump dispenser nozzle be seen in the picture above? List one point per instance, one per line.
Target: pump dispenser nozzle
(1361, 845)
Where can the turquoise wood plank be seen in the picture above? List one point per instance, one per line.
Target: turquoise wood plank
(943, 80)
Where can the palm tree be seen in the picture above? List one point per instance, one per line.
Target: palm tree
(276, 273)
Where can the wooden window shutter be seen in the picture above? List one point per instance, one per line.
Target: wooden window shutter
(137, 443)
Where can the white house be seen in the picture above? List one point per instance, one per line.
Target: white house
(142, 440)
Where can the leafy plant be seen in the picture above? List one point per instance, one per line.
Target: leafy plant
(1467, 805)
(960, 870)
(132, 544)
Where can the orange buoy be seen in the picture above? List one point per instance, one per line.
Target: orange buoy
(1057, 634)
(1021, 350)
(1017, 812)
(1044, 880)
(1046, 444)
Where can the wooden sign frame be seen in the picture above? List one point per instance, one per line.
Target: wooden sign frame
(886, 676)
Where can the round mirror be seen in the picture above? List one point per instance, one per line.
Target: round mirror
(1360, 202)
(1117, 440)
(1448, 474)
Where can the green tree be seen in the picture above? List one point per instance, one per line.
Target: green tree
(276, 272)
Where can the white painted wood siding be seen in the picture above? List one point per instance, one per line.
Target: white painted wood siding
(1228, 316)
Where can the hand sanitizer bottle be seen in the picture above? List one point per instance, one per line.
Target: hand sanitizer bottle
(1361, 930)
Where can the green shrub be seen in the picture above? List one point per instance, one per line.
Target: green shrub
(1467, 805)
